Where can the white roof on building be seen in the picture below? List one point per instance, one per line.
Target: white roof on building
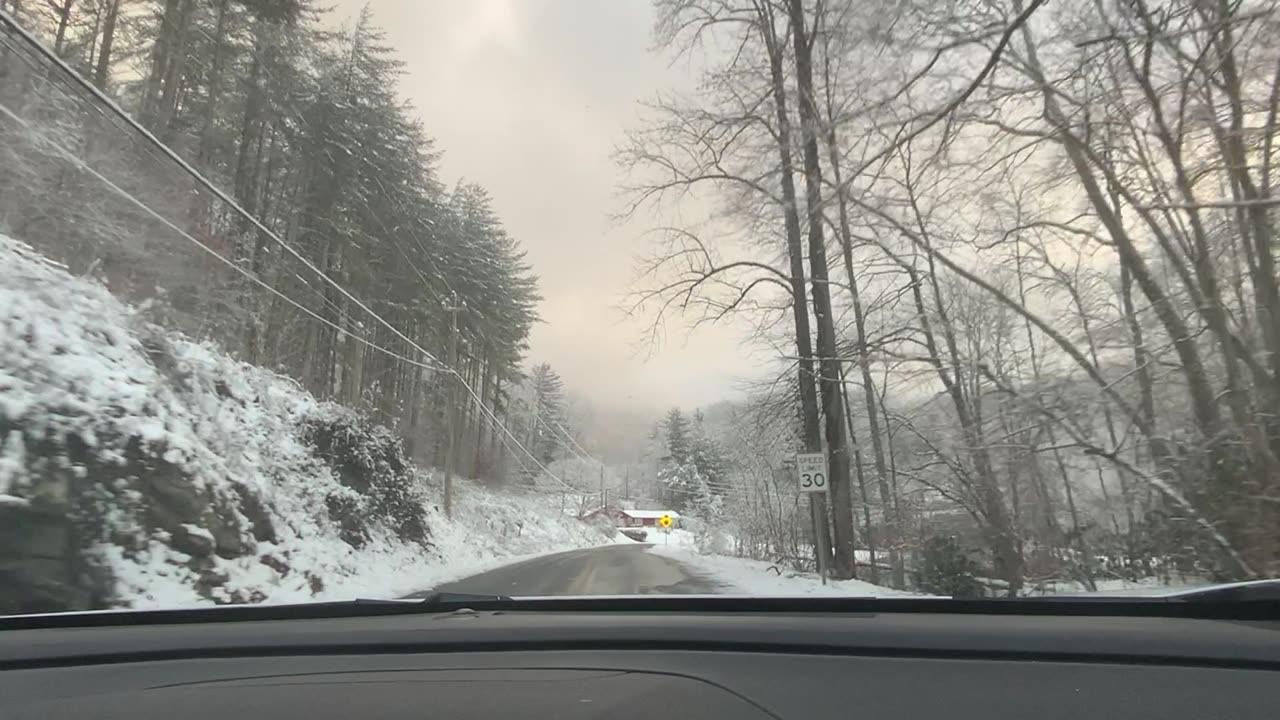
(644, 514)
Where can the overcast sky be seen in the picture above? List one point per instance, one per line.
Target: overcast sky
(529, 98)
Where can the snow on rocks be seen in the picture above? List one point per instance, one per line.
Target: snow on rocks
(140, 468)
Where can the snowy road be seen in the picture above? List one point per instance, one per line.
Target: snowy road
(611, 570)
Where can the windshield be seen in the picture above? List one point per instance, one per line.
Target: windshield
(307, 301)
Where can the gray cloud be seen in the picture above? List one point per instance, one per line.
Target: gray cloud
(529, 98)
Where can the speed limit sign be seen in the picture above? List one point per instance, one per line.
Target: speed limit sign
(811, 471)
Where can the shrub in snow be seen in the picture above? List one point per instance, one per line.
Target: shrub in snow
(945, 569)
(369, 460)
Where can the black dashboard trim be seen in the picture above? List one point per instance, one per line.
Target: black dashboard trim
(1066, 606)
(623, 644)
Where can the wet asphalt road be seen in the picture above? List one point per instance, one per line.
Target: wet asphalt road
(611, 570)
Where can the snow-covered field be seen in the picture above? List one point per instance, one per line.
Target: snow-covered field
(166, 437)
(755, 577)
(1125, 588)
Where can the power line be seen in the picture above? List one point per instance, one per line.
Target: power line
(496, 425)
(147, 209)
(524, 468)
(574, 441)
(494, 417)
(67, 91)
(583, 457)
(195, 174)
(490, 416)
(167, 152)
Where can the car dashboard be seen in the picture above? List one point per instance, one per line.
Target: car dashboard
(477, 663)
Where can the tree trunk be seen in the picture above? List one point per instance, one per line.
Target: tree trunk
(254, 108)
(215, 83)
(862, 487)
(102, 69)
(494, 453)
(893, 521)
(1261, 230)
(829, 362)
(1202, 395)
(174, 71)
(1000, 534)
(64, 20)
(1086, 559)
(795, 255)
(488, 391)
(161, 52)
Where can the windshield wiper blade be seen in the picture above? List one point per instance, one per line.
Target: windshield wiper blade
(424, 599)
(429, 602)
(1250, 591)
(435, 599)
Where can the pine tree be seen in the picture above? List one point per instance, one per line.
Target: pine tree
(305, 129)
(694, 471)
(709, 457)
(679, 444)
(548, 413)
(680, 484)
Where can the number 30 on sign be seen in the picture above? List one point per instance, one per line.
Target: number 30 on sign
(811, 469)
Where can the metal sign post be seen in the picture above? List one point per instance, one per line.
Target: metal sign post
(811, 474)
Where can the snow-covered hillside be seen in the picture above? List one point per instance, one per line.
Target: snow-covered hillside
(141, 468)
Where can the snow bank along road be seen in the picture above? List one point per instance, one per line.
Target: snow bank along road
(609, 570)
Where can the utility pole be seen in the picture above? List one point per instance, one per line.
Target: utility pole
(450, 411)
(604, 497)
(626, 484)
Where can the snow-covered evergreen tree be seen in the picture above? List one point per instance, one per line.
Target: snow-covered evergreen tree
(676, 429)
(694, 468)
(548, 418)
(709, 457)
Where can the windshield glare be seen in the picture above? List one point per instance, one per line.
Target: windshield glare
(307, 301)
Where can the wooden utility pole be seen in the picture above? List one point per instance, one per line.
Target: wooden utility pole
(450, 411)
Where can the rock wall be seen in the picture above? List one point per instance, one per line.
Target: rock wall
(71, 504)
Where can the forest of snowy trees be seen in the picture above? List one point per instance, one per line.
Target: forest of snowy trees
(297, 116)
(1015, 261)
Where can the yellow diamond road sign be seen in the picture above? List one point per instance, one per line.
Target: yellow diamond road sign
(665, 521)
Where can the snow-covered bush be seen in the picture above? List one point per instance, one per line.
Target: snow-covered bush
(705, 518)
(946, 569)
(370, 460)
